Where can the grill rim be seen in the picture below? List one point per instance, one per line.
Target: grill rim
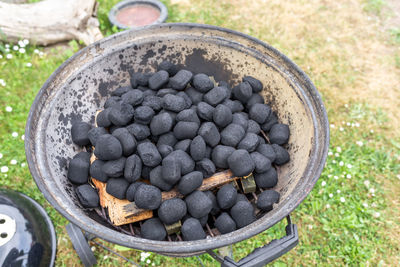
(314, 169)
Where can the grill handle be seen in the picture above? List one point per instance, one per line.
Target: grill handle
(265, 254)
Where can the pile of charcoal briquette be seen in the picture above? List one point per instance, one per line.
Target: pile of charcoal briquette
(173, 128)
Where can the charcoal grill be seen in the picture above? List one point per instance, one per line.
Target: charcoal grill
(80, 86)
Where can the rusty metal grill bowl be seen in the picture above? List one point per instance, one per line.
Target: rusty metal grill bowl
(80, 86)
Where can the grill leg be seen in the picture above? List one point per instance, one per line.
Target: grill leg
(81, 245)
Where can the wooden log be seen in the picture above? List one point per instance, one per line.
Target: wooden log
(50, 21)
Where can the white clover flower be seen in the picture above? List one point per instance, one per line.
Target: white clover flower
(1, 56)
(21, 43)
(329, 175)
(335, 177)
(22, 50)
(334, 161)
(359, 143)
(341, 163)
(1, 156)
(398, 176)
(331, 195)
(2, 82)
(36, 51)
(41, 53)
(338, 191)
(332, 125)
(365, 205)
(7, 50)
(330, 153)
(339, 149)
(377, 214)
(9, 56)
(4, 169)
(372, 190)
(26, 41)
(374, 205)
(348, 176)
(13, 162)
(341, 129)
(148, 261)
(93, 248)
(337, 155)
(105, 257)
(153, 264)
(310, 226)
(14, 134)
(328, 206)
(7, 46)
(349, 166)
(357, 124)
(29, 64)
(348, 124)
(342, 199)
(15, 47)
(371, 131)
(23, 137)
(366, 183)
(8, 109)
(323, 183)
(23, 164)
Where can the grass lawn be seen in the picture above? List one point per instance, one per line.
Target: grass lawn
(352, 217)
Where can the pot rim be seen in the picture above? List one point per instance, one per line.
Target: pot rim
(314, 169)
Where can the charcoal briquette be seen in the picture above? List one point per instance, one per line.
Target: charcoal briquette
(117, 187)
(94, 133)
(240, 119)
(241, 163)
(102, 118)
(121, 90)
(158, 80)
(133, 168)
(88, 196)
(97, 172)
(222, 115)
(226, 196)
(149, 154)
(267, 150)
(161, 123)
(172, 210)
(139, 131)
(205, 111)
(279, 134)
(259, 112)
(78, 170)
(157, 180)
(148, 92)
(215, 208)
(208, 151)
(202, 83)
(192, 230)
(271, 121)
(194, 95)
(169, 67)
(243, 214)
(143, 114)
(153, 102)
(188, 115)
(267, 199)
(282, 155)
(216, 96)
(173, 103)
(180, 80)
(153, 229)
(262, 140)
(167, 139)
(146, 172)
(253, 127)
(127, 141)
(111, 101)
(198, 148)
(183, 145)
(188, 101)
(210, 133)
(242, 92)
(130, 192)
(262, 163)
(171, 113)
(83, 155)
(171, 169)
(250, 142)
(147, 197)
(187, 163)
(206, 167)
(186, 130)
(198, 204)
(266, 179)
(254, 99)
(133, 97)
(112, 128)
(80, 133)
(108, 147)
(190, 182)
(165, 150)
(225, 224)
(255, 84)
(241, 197)
(121, 114)
(220, 155)
(232, 135)
(233, 105)
(139, 78)
(114, 168)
